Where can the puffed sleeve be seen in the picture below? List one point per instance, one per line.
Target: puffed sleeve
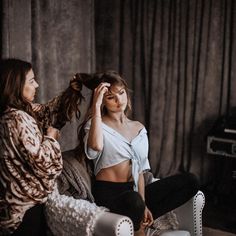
(42, 153)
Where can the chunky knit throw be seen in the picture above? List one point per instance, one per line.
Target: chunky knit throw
(67, 216)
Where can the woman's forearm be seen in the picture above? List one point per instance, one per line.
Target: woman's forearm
(141, 186)
(95, 138)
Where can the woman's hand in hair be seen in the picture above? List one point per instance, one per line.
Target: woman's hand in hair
(99, 93)
(76, 82)
(53, 132)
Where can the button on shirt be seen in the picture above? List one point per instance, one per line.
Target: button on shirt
(116, 149)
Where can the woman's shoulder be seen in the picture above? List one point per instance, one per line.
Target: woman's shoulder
(18, 115)
(10, 111)
(17, 112)
(136, 124)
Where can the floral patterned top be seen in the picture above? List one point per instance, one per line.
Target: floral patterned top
(29, 160)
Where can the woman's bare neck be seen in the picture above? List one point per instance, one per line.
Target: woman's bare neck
(116, 118)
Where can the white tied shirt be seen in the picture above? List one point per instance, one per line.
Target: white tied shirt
(116, 149)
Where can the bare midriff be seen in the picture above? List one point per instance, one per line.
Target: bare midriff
(118, 173)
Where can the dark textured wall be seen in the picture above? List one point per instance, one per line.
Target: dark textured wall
(58, 38)
(178, 57)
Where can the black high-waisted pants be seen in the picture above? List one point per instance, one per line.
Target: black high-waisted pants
(34, 223)
(161, 196)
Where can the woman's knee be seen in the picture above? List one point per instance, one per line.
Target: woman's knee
(192, 180)
(191, 183)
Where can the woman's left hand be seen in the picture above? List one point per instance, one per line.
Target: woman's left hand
(147, 219)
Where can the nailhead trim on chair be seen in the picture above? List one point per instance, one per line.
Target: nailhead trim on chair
(121, 222)
(195, 214)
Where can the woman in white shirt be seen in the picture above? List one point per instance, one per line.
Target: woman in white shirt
(118, 147)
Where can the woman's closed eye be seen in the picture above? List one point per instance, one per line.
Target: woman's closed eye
(31, 81)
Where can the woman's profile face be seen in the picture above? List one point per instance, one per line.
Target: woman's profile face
(29, 89)
(115, 99)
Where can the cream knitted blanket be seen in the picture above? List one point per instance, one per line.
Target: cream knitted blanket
(67, 216)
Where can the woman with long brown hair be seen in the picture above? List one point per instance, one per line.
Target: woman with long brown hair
(118, 147)
(30, 157)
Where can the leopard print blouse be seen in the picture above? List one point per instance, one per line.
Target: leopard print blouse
(29, 163)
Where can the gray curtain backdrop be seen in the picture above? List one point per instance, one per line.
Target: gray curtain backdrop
(179, 59)
(58, 38)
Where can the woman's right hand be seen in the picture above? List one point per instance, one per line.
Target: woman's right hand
(53, 132)
(148, 218)
(99, 94)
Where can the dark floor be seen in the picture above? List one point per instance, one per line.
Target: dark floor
(220, 211)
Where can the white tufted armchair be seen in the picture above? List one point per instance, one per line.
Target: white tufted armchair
(67, 216)
(190, 217)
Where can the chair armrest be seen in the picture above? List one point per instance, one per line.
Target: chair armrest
(190, 214)
(113, 225)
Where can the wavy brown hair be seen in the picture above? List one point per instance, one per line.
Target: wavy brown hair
(12, 79)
